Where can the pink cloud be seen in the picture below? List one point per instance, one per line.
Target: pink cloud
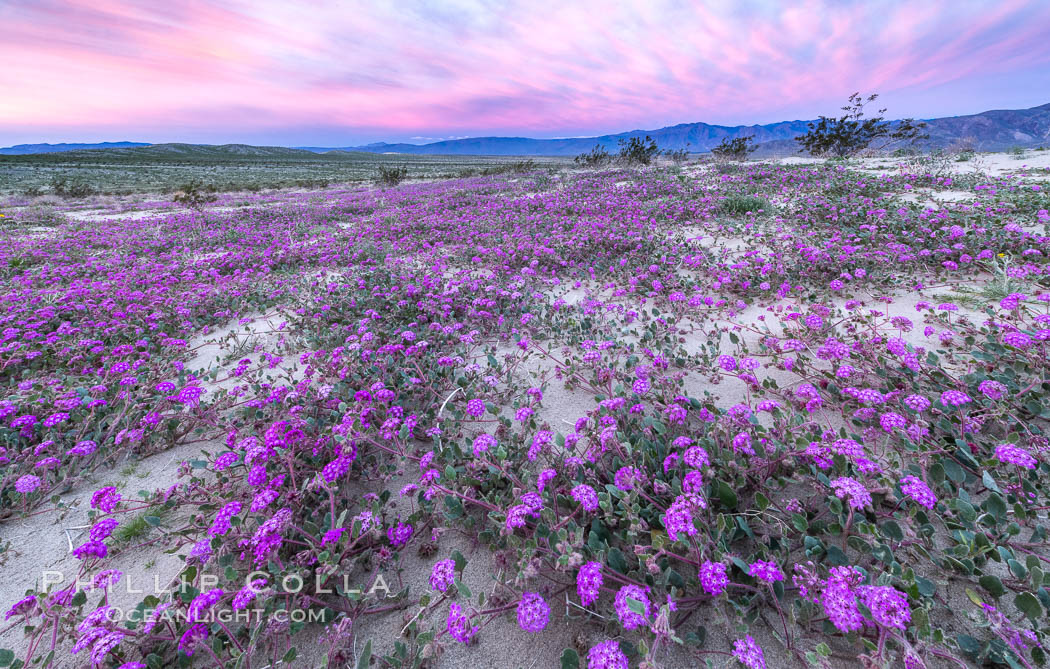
(471, 67)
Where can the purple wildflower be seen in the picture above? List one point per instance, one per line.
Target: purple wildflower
(533, 613)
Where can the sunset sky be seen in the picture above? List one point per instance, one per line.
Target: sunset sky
(344, 73)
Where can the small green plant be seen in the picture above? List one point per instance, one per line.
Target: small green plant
(596, 157)
(132, 529)
(737, 149)
(851, 133)
(638, 151)
(391, 176)
(739, 205)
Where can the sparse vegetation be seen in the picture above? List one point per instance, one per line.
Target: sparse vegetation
(677, 156)
(111, 172)
(638, 151)
(852, 133)
(391, 176)
(737, 148)
(596, 157)
(195, 194)
(64, 186)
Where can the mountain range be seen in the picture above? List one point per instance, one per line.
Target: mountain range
(26, 149)
(993, 130)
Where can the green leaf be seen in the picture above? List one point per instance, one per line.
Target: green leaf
(800, 522)
(996, 506)
(1027, 604)
(968, 644)
(570, 659)
(966, 510)
(993, 585)
(1044, 597)
(617, 560)
(453, 507)
(1039, 656)
(461, 562)
(937, 473)
(366, 656)
(892, 530)
(953, 470)
(1017, 569)
(989, 482)
(639, 608)
(726, 495)
(8, 656)
(837, 557)
(464, 591)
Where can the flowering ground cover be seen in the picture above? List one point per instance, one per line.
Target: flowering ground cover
(758, 415)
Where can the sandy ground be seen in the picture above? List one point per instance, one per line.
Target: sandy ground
(991, 164)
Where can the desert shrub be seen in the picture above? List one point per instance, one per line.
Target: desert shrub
(596, 157)
(516, 167)
(851, 133)
(195, 194)
(638, 151)
(391, 176)
(738, 148)
(677, 156)
(312, 183)
(63, 186)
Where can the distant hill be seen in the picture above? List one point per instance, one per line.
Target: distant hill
(695, 137)
(211, 152)
(24, 149)
(188, 154)
(993, 130)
